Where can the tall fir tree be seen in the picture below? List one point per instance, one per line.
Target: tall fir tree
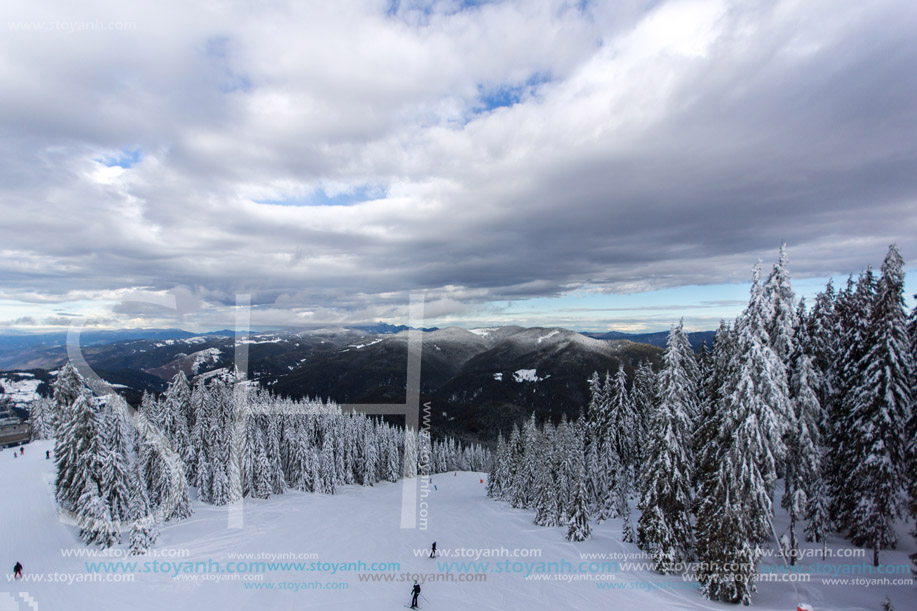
(735, 510)
(664, 529)
(578, 528)
(67, 389)
(882, 404)
(853, 308)
(643, 396)
(803, 493)
(912, 427)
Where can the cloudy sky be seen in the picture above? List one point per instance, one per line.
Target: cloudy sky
(592, 164)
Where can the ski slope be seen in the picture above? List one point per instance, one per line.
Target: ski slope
(356, 525)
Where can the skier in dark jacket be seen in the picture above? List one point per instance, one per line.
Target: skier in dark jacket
(416, 592)
(17, 571)
(433, 552)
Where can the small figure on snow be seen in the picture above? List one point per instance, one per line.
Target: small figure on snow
(17, 571)
(416, 592)
(22, 450)
(47, 454)
(433, 551)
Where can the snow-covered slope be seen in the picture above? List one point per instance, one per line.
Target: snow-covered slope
(356, 525)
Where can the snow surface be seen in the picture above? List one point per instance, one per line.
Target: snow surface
(549, 335)
(20, 392)
(372, 343)
(273, 339)
(528, 375)
(210, 356)
(357, 524)
(484, 331)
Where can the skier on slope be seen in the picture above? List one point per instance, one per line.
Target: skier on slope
(433, 552)
(416, 592)
(17, 571)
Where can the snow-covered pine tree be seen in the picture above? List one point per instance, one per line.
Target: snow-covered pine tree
(597, 410)
(300, 456)
(392, 458)
(622, 430)
(734, 504)
(410, 455)
(566, 476)
(912, 428)
(425, 453)
(578, 528)
(802, 473)
(735, 507)
(664, 528)
(370, 454)
(68, 387)
(627, 528)
(545, 498)
(144, 530)
(326, 468)
(261, 466)
(781, 327)
(853, 308)
(882, 404)
(761, 384)
(272, 437)
(77, 459)
(495, 479)
(246, 441)
(706, 428)
(152, 411)
(315, 476)
(178, 401)
(595, 423)
(723, 526)
(162, 472)
(643, 396)
(41, 419)
(523, 484)
(209, 435)
(94, 520)
(340, 464)
(821, 325)
(116, 482)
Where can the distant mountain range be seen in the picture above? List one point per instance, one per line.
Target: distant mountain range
(476, 381)
(697, 338)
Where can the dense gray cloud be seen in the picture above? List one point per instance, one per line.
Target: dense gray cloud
(330, 158)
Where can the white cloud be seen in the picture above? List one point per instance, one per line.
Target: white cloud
(648, 145)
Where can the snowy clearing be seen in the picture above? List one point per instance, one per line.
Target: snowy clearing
(528, 375)
(20, 392)
(360, 525)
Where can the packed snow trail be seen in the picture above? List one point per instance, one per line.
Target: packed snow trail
(356, 525)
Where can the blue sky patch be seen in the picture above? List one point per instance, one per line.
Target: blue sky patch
(126, 158)
(427, 8)
(320, 197)
(507, 95)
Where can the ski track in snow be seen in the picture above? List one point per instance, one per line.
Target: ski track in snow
(357, 524)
